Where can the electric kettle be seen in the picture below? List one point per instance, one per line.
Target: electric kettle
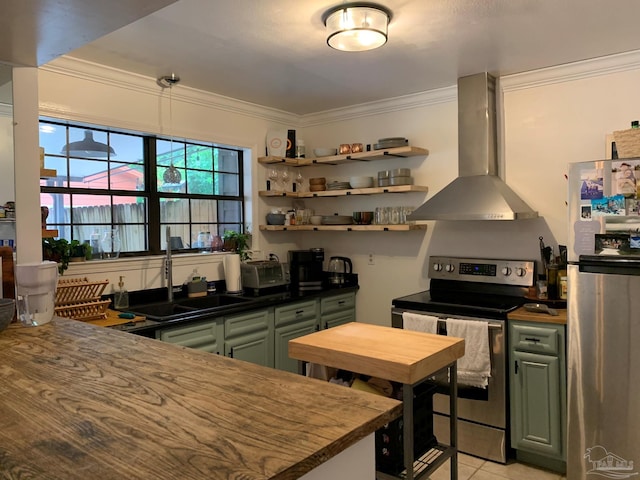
(339, 267)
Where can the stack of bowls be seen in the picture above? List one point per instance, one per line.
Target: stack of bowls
(362, 218)
(324, 152)
(361, 182)
(317, 184)
(398, 176)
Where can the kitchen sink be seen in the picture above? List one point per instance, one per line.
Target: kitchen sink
(213, 301)
(162, 311)
(187, 307)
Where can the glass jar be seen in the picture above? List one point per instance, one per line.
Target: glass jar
(110, 244)
(204, 241)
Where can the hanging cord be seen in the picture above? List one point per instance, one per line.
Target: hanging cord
(172, 175)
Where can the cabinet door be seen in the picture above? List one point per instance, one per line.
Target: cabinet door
(207, 335)
(536, 403)
(249, 337)
(282, 336)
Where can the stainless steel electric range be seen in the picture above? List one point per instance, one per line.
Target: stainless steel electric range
(483, 290)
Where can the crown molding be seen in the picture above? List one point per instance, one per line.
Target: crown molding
(105, 75)
(82, 69)
(394, 104)
(570, 72)
(6, 110)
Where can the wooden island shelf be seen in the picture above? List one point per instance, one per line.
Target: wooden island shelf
(398, 355)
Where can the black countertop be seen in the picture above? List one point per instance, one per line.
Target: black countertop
(148, 327)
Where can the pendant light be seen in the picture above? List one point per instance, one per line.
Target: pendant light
(88, 148)
(357, 26)
(171, 174)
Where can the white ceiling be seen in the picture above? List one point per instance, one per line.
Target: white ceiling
(274, 53)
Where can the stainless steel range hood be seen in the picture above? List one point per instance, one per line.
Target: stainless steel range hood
(478, 193)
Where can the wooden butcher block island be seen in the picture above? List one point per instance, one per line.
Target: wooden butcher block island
(84, 402)
(403, 356)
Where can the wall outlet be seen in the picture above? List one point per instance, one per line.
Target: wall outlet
(372, 259)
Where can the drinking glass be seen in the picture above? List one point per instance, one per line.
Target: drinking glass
(273, 176)
(285, 178)
(299, 181)
(381, 216)
(394, 215)
(110, 244)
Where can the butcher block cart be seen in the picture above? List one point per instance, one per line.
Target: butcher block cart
(397, 355)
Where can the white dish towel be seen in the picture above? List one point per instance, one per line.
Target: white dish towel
(420, 323)
(474, 368)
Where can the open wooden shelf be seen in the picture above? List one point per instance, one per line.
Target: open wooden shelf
(353, 157)
(49, 233)
(342, 193)
(342, 228)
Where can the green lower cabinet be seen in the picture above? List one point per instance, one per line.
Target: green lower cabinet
(249, 337)
(262, 336)
(293, 321)
(538, 393)
(286, 333)
(207, 335)
(337, 310)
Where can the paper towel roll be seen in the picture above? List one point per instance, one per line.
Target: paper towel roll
(232, 273)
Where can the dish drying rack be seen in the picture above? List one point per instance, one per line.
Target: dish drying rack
(79, 298)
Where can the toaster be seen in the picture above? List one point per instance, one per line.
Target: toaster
(261, 274)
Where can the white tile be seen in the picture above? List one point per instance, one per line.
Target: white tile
(444, 472)
(471, 461)
(515, 471)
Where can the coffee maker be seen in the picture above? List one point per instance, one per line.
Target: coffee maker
(305, 269)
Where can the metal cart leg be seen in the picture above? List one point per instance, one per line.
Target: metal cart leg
(407, 429)
(453, 418)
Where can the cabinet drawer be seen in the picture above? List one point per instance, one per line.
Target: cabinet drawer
(535, 339)
(296, 312)
(337, 303)
(247, 323)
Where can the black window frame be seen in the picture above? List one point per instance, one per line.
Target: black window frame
(152, 195)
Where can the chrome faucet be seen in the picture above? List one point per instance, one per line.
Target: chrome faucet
(168, 267)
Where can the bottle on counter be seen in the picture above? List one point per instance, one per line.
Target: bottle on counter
(552, 281)
(121, 297)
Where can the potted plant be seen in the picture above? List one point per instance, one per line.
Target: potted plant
(79, 252)
(57, 250)
(237, 242)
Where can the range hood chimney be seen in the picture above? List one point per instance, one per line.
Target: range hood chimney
(478, 193)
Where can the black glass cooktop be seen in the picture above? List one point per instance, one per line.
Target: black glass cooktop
(456, 303)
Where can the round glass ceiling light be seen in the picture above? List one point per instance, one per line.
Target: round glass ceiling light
(357, 26)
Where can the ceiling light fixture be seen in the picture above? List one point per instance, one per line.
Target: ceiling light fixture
(88, 148)
(357, 26)
(171, 174)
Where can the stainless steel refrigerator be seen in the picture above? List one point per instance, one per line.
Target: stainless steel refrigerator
(603, 326)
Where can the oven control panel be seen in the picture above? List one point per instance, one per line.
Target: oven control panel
(505, 272)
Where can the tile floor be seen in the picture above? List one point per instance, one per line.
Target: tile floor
(472, 468)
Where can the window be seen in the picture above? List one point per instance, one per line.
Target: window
(139, 185)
